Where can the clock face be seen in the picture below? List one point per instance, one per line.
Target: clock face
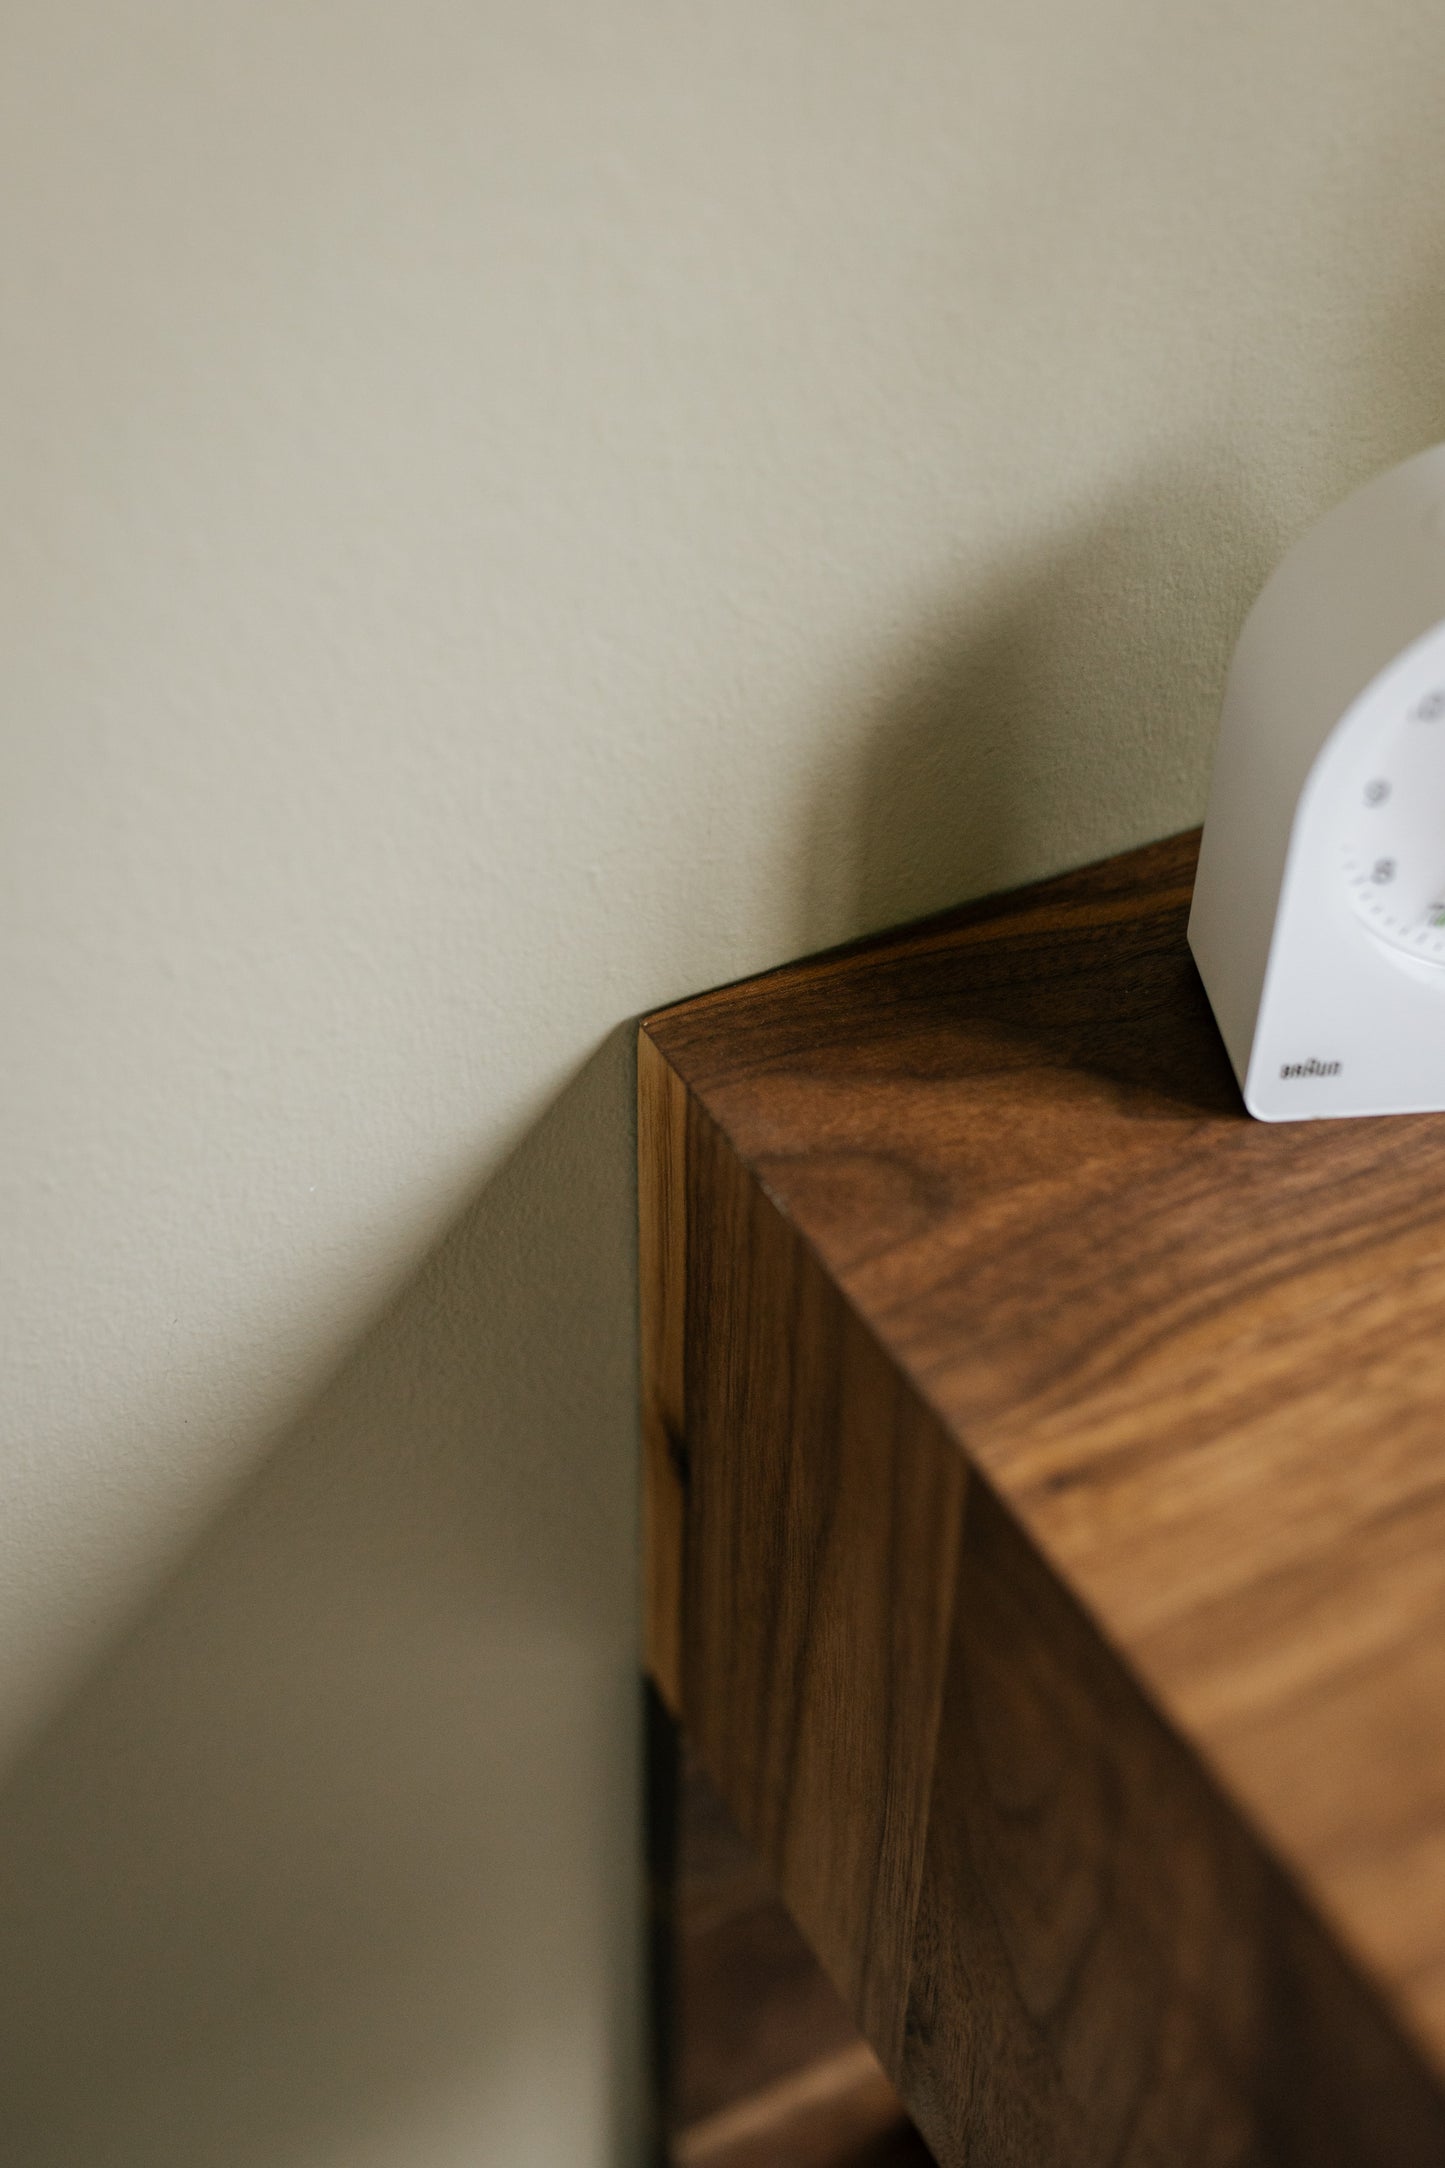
(1394, 830)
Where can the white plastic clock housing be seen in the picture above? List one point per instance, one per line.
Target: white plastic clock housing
(1318, 922)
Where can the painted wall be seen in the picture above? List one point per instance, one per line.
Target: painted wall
(513, 512)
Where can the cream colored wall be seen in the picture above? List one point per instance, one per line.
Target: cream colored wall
(515, 511)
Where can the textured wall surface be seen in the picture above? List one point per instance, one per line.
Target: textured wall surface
(513, 512)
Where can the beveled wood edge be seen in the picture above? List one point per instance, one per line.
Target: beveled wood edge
(662, 1267)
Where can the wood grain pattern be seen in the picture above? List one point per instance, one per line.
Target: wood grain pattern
(823, 1519)
(767, 2070)
(1060, 1565)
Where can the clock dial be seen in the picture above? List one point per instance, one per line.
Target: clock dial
(1394, 847)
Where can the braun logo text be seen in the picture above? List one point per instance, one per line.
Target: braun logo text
(1310, 1068)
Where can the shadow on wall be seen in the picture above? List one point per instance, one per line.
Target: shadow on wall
(1063, 703)
(336, 1859)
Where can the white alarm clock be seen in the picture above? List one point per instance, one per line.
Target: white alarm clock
(1318, 921)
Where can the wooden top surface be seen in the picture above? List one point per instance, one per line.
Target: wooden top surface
(1202, 1358)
